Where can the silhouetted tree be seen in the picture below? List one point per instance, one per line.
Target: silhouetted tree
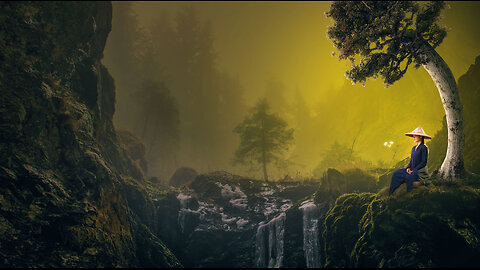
(195, 88)
(160, 121)
(210, 100)
(383, 38)
(176, 50)
(263, 137)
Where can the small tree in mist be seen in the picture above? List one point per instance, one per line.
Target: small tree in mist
(264, 137)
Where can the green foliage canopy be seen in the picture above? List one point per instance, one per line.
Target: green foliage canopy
(384, 37)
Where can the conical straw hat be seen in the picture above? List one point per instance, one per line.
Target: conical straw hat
(418, 131)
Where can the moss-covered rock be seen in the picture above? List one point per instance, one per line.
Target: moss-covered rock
(428, 227)
(341, 228)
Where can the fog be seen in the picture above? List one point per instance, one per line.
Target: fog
(186, 74)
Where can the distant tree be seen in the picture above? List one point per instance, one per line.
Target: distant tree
(159, 124)
(210, 100)
(264, 137)
(382, 38)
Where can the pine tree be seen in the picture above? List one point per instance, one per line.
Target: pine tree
(383, 38)
(264, 137)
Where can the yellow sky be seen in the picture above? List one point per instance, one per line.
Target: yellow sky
(286, 41)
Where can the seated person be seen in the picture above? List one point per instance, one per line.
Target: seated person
(416, 169)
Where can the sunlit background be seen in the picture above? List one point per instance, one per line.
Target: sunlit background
(278, 50)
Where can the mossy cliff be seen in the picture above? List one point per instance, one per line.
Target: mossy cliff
(70, 195)
(436, 226)
(359, 226)
(332, 185)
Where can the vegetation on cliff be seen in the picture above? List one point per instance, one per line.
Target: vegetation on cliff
(71, 196)
(436, 226)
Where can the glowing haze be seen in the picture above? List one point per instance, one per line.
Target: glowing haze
(281, 50)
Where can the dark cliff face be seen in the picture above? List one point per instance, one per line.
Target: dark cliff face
(69, 194)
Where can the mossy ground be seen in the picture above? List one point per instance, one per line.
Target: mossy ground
(434, 226)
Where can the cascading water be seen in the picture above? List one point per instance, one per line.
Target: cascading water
(183, 210)
(269, 243)
(311, 245)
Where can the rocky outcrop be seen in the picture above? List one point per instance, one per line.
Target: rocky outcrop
(134, 147)
(434, 226)
(304, 242)
(429, 227)
(70, 195)
(224, 220)
(341, 228)
(182, 176)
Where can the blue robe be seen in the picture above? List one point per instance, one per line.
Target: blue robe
(418, 160)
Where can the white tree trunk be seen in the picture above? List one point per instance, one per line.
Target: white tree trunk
(453, 166)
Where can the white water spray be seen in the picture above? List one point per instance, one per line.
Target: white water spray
(311, 247)
(269, 243)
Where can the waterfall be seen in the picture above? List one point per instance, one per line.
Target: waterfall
(183, 210)
(311, 247)
(269, 243)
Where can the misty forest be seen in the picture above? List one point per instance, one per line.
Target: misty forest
(240, 134)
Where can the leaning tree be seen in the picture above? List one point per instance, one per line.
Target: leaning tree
(383, 38)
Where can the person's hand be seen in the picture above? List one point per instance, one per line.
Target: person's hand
(409, 171)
